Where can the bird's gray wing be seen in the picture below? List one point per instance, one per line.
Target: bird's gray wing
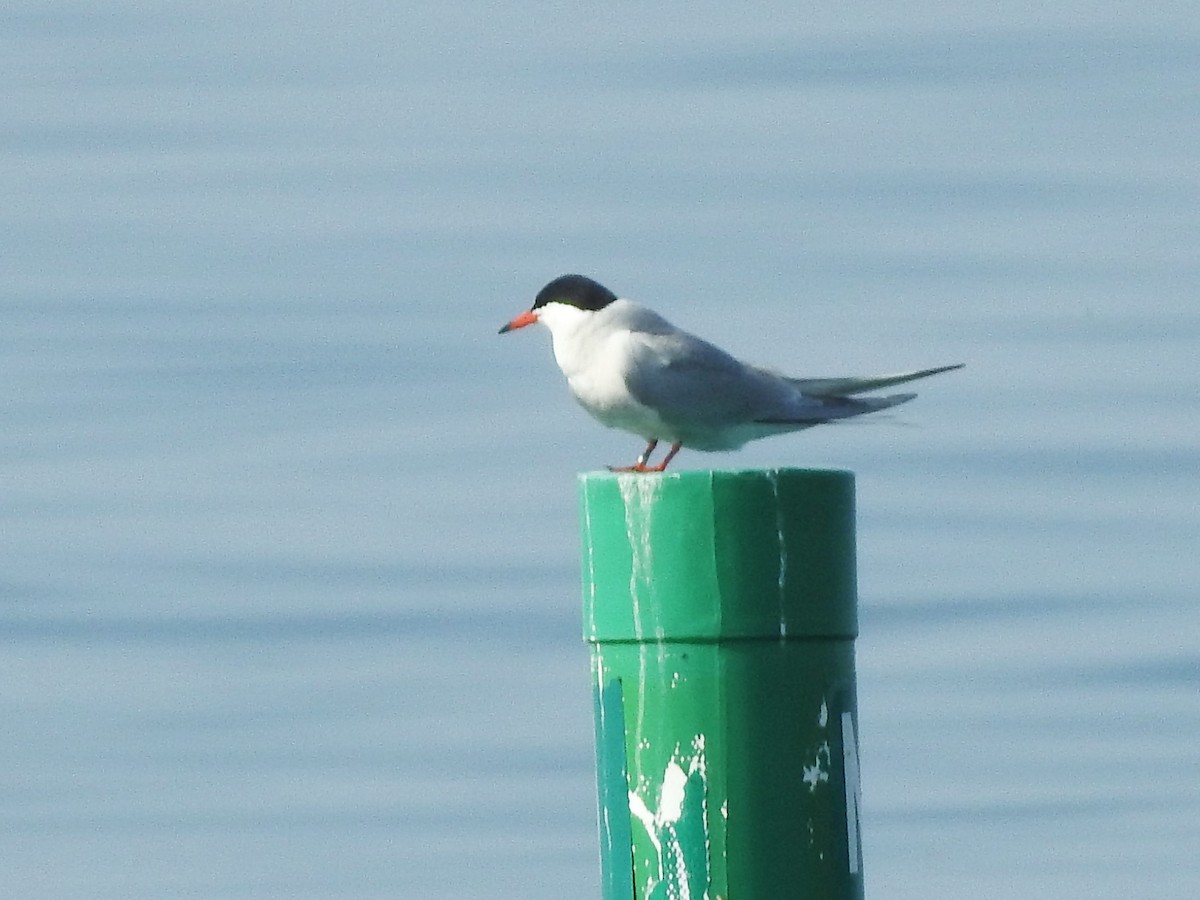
(690, 381)
(847, 387)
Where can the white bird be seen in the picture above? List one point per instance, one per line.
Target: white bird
(633, 370)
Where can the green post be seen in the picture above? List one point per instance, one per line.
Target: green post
(721, 612)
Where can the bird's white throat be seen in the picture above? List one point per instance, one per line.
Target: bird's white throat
(572, 335)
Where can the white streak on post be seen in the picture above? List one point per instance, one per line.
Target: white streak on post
(853, 790)
(639, 493)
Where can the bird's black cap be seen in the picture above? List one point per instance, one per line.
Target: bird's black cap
(575, 290)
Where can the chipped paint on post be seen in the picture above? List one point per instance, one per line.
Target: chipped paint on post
(677, 827)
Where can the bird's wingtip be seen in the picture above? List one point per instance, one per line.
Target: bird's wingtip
(938, 370)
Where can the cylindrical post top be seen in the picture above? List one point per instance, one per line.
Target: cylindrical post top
(714, 555)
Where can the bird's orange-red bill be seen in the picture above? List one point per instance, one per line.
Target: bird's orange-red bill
(525, 318)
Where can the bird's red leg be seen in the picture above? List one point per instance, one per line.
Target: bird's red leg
(661, 467)
(640, 465)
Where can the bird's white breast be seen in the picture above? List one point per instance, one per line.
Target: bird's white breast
(594, 351)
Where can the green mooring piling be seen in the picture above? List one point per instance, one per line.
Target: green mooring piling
(721, 612)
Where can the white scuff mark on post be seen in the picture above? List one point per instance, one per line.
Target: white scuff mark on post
(639, 492)
(670, 800)
(817, 773)
(640, 811)
(853, 789)
(781, 537)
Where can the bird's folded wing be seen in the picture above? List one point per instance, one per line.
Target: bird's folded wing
(688, 380)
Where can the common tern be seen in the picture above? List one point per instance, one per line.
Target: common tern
(632, 369)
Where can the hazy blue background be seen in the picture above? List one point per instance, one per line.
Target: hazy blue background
(288, 586)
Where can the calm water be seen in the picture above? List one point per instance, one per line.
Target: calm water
(288, 588)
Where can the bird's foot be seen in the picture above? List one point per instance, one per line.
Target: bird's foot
(640, 465)
(636, 467)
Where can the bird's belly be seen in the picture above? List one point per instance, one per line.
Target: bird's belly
(609, 402)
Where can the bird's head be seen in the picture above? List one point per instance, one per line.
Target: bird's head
(564, 303)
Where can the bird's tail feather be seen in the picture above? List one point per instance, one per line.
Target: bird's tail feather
(848, 387)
